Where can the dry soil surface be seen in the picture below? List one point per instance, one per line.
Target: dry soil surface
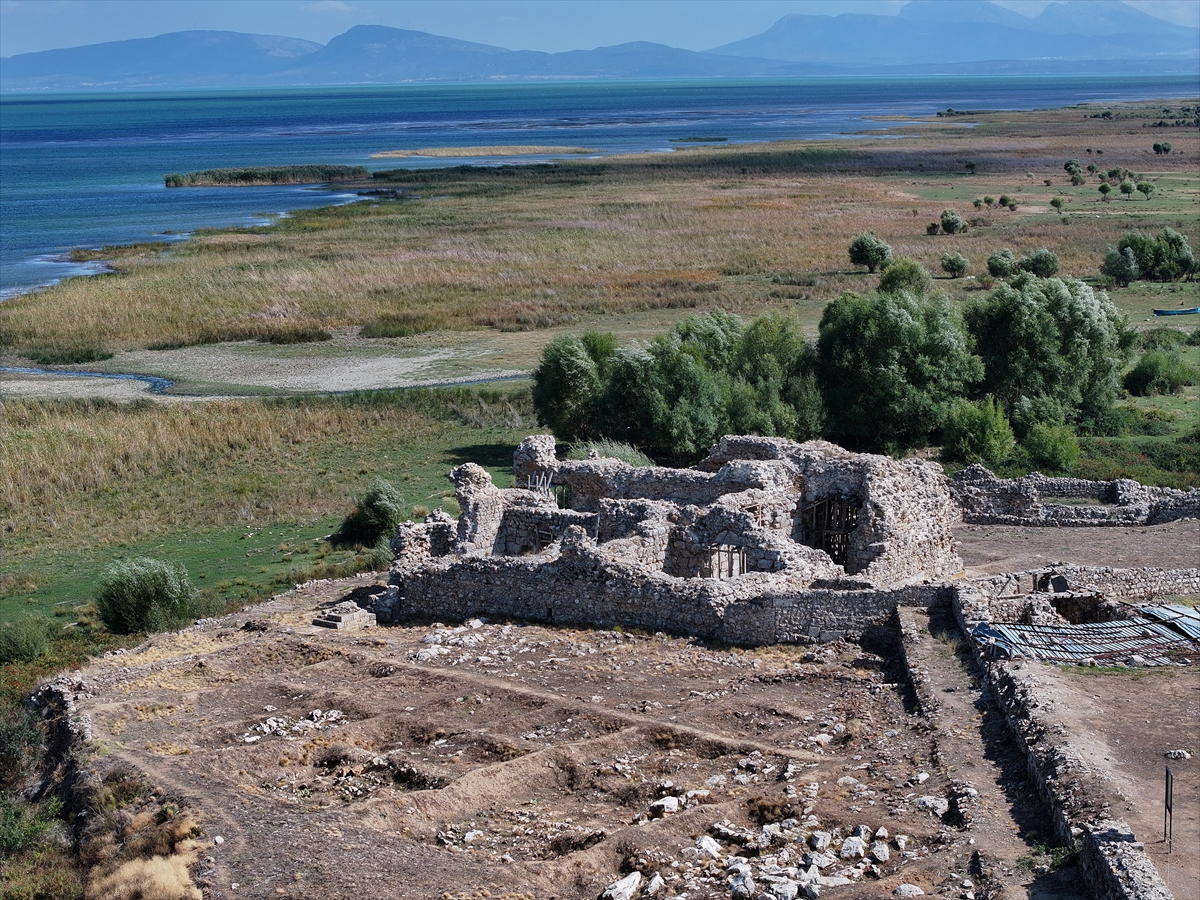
(994, 549)
(507, 760)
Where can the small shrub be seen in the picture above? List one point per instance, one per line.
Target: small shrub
(68, 356)
(143, 594)
(868, 250)
(22, 640)
(20, 737)
(905, 275)
(1159, 372)
(1002, 264)
(22, 825)
(376, 516)
(977, 432)
(1052, 449)
(1163, 338)
(297, 334)
(1042, 263)
(955, 264)
(952, 222)
(933, 228)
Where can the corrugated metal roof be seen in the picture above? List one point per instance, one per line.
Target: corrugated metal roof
(1104, 642)
(1184, 618)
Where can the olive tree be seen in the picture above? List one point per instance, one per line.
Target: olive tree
(955, 264)
(1145, 189)
(868, 250)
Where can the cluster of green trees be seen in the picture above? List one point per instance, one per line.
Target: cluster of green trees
(1166, 257)
(892, 369)
(1041, 262)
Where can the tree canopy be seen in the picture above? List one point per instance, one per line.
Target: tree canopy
(868, 250)
(890, 367)
(1052, 342)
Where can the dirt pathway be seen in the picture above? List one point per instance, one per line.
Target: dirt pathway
(990, 793)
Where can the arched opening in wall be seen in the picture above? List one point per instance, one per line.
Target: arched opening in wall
(827, 523)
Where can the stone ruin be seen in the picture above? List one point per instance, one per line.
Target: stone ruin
(988, 500)
(766, 540)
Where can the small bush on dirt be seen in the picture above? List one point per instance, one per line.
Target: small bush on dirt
(765, 810)
(376, 516)
(143, 594)
(23, 640)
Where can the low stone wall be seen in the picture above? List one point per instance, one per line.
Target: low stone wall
(988, 500)
(1144, 585)
(574, 586)
(821, 615)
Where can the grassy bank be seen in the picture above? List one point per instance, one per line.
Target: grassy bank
(241, 492)
(743, 228)
(309, 174)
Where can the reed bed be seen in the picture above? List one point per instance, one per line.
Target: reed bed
(525, 247)
(103, 473)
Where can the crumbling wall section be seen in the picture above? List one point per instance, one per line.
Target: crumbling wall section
(985, 499)
(1144, 585)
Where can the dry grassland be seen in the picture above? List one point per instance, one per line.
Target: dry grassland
(518, 248)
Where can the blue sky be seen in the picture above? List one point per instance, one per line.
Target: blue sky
(550, 25)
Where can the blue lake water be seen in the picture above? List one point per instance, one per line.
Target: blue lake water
(86, 170)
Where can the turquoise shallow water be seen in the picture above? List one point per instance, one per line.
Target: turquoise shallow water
(87, 170)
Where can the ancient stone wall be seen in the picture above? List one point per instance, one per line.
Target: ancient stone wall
(1144, 585)
(677, 550)
(987, 500)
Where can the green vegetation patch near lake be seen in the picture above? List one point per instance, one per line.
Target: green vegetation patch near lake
(222, 486)
(251, 175)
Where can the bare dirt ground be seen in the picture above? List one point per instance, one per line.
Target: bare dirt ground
(1124, 724)
(993, 549)
(496, 759)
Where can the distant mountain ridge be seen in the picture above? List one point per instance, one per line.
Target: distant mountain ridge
(927, 36)
(972, 31)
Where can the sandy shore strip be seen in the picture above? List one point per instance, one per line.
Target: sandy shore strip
(500, 150)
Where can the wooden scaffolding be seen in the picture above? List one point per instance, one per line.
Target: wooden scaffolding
(827, 524)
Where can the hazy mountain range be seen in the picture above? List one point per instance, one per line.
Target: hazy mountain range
(966, 36)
